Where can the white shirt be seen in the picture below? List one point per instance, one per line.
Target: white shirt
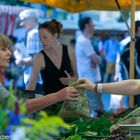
(33, 46)
(84, 50)
(33, 42)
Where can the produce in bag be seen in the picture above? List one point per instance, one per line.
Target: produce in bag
(75, 109)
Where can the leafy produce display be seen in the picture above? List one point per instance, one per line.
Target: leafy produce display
(100, 128)
(106, 127)
(91, 128)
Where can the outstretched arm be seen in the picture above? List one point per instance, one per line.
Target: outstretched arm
(68, 93)
(126, 87)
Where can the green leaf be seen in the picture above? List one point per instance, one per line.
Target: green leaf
(74, 137)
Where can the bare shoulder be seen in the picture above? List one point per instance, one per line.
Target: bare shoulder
(39, 59)
(39, 56)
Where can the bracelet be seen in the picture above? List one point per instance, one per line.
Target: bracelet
(100, 88)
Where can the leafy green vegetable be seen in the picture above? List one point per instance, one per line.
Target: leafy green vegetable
(74, 137)
(45, 127)
(98, 127)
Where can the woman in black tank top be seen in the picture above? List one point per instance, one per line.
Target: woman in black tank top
(55, 62)
(51, 74)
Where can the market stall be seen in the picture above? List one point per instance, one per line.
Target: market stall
(16, 124)
(8, 15)
(110, 5)
(79, 128)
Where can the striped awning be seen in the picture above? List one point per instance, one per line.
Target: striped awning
(11, 10)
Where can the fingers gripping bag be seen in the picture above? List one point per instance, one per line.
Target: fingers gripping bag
(72, 110)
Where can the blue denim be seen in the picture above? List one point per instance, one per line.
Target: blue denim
(94, 101)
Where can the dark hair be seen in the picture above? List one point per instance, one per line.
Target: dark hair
(137, 25)
(73, 41)
(83, 21)
(52, 26)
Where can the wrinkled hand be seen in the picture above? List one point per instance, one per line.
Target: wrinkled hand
(68, 94)
(65, 80)
(85, 83)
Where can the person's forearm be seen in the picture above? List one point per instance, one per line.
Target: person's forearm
(31, 85)
(37, 104)
(96, 59)
(126, 87)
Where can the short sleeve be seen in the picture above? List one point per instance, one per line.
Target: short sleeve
(88, 48)
(3, 93)
(33, 43)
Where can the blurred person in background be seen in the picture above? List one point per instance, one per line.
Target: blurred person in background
(88, 63)
(111, 50)
(29, 20)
